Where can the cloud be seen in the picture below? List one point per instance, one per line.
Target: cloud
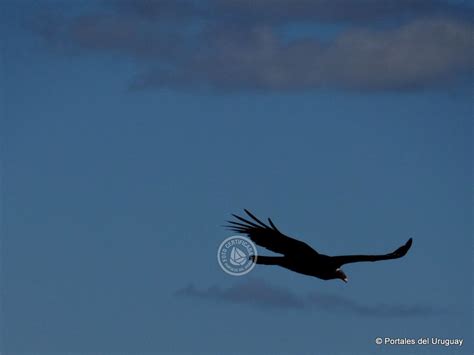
(258, 293)
(420, 54)
(252, 292)
(342, 304)
(206, 47)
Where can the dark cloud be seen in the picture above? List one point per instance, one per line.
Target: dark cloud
(252, 292)
(420, 54)
(342, 304)
(261, 294)
(182, 45)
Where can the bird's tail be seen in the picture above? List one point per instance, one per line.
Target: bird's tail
(266, 260)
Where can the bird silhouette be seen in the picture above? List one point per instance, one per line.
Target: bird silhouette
(297, 255)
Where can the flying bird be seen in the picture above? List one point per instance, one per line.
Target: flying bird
(297, 255)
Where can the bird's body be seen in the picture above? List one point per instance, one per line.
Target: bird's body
(316, 266)
(299, 256)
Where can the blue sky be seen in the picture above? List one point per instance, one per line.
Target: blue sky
(132, 130)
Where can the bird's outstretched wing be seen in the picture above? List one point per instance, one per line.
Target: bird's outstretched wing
(345, 259)
(269, 237)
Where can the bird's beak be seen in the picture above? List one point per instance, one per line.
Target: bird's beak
(345, 279)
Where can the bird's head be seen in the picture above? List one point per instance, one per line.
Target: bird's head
(341, 275)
